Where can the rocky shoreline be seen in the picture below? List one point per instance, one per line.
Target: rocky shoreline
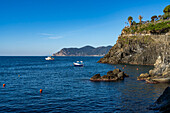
(114, 75)
(160, 73)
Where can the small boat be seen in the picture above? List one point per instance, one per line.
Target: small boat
(78, 63)
(49, 58)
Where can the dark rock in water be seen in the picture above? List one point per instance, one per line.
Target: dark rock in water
(163, 102)
(121, 75)
(116, 71)
(96, 76)
(114, 75)
(110, 73)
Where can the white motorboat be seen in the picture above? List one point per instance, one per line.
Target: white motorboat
(49, 58)
(78, 63)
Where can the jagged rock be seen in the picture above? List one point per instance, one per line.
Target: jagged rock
(163, 102)
(142, 50)
(96, 76)
(121, 75)
(114, 75)
(116, 71)
(110, 73)
(160, 73)
(162, 80)
(143, 76)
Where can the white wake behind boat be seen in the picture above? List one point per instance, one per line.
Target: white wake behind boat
(78, 63)
(49, 58)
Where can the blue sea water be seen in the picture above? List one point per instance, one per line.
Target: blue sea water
(68, 89)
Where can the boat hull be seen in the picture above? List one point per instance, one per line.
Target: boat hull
(78, 65)
(49, 58)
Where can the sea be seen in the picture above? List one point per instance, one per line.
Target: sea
(66, 88)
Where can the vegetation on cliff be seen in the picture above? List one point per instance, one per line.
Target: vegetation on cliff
(166, 12)
(158, 24)
(158, 27)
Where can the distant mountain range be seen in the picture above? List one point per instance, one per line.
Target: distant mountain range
(84, 51)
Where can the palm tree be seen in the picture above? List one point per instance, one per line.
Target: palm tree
(167, 9)
(153, 18)
(166, 12)
(130, 20)
(140, 18)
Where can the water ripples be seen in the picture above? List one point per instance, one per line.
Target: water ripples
(68, 89)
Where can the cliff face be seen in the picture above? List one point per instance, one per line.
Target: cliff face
(84, 51)
(139, 49)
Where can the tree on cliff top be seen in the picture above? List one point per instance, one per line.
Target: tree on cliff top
(140, 18)
(166, 12)
(153, 18)
(130, 20)
(167, 9)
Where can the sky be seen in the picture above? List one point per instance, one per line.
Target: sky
(43, 27)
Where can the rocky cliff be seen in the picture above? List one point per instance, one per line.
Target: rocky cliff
(141, 49)
(84, 51)
(140, 43)
(163, 102)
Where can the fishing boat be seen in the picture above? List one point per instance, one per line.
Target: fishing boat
(49, 58)
(78, 63)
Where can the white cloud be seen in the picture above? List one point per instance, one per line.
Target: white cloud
(55, 37)
(50, 36)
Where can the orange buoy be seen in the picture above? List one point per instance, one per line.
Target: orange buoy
(115, 66)
(18, 75)
(122, 67)
(137, 69)
(3, 85)
(125, 65)
(40, 90)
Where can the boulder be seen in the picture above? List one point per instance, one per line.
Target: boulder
(105, 77)
(114, 75)
(145, 75)
(96, 76)
(120, 75)
(163, 102)
(116, 71)
(110, 73)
